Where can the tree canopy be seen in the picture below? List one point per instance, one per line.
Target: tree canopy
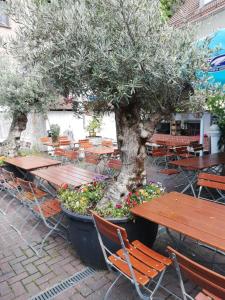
(112, 49)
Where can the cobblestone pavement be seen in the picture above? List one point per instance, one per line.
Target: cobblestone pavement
(24, 275)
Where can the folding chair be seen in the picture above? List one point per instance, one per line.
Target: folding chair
(71, 156)
(114, 167)
(182, 152)
(211, 181)
(134, 261)
(107, 143)
(10, 185)
(44, 210)
(212, 283)
(59, 154)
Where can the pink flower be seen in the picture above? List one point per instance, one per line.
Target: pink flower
(118, 205)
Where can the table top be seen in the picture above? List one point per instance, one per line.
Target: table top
(199, 219)
(173, 143)
(201, 162)
(100, 150)
(69, 174)
(29, 163)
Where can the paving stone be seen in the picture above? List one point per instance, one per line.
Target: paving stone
(5, 268)
(44, 278)
(32, 278)
(44, 268)
(4, 288)
(18, 288)
(83, 289)
(18, 268)
(32, 288)
(31, 269)
(10, 296)
(18, 277)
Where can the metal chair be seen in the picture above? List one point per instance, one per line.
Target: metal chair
(212, 283)
(138, 263)
(11, 187)
(210, 181)
(182, 152)
(46, 211)
(113, 167)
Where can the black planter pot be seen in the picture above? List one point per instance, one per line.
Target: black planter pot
(84, 238)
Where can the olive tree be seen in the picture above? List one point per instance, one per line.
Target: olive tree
(21, 92)
(124, 55)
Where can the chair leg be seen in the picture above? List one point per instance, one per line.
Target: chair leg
(111, 286)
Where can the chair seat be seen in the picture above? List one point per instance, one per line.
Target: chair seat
(10, 184)
(169, 171)
(49, 208)
(186, 155)
(38, 194)
(146, 262)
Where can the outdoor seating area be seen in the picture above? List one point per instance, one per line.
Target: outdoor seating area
(31, 208)
(112, 150)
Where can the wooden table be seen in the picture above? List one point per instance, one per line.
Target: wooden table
(101, 150)
(69, 174)
(199, 219)
(29, 163)
(196, 164)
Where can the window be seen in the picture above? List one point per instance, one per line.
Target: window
(4, 19)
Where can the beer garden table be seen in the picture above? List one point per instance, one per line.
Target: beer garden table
(198, 219)
(30, 163)
(67, 174)
(197, 164)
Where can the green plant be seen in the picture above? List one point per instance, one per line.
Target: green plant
(125, 55)
(55, 130)
(87, 197)
(2, 160)
(94, 124)
(169, 7)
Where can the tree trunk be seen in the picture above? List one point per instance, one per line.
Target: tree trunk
(132, 135)
(12, 143)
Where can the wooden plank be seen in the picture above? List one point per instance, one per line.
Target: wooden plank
(199, 219)
(66, 174)
(29, 163)
(201, 162)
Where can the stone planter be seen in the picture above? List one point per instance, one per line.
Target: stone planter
(84, 238)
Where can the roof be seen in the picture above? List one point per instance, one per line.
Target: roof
(191, 11)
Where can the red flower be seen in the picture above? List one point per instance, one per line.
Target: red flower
(118, 205)
(64, 186)
(137, 193)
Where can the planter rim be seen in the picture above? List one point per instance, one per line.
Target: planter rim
(87, 218)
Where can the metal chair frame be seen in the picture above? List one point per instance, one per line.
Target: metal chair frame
(51, 222)
(193, 272)
(132, 279)
(6, 177)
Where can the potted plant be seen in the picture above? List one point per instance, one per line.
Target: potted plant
(77, 204)
(55, 130)
(94, 125)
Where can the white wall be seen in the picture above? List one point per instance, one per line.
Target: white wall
(211, 24)
(67, 121)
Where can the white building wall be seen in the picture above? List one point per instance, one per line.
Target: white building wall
(68, 121)
(211, 24)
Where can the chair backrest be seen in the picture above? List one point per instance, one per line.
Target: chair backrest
(197, 147)
(72, 154)
(202, 276)
(85, 145)
(59, 152)
(159, 152)
(26, 186)
(7, 175)
(91, 158)
(107, 143)
(211, 181)
(64, 142)
(110, 230)
(181, 150)
(115, 164)
(44, 139)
